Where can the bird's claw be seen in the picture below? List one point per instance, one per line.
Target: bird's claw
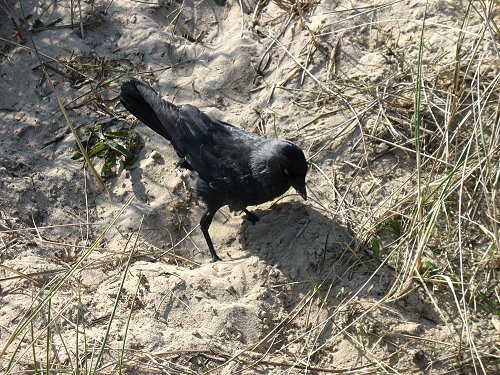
(253, 219)
(250, 216)
(215, 259)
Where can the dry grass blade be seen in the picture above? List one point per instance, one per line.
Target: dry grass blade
(32, 314)
(68, 121)
(391, 266)
(298, 6)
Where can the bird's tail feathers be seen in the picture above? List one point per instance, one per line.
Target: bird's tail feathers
(145, 104)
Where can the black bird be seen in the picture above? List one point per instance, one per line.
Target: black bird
(230, 166)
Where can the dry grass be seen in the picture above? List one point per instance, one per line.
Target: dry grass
(435, 232)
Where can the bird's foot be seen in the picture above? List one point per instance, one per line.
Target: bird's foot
(251, 216)
(215, 258)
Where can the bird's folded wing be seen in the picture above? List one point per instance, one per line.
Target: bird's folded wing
(218, 151)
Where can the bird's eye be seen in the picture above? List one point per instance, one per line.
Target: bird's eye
(285, 171)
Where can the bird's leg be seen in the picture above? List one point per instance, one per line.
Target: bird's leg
(205, 222)
(251, 216)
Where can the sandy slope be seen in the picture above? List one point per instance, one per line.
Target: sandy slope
(191, 314)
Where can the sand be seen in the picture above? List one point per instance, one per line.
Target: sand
(297, 292)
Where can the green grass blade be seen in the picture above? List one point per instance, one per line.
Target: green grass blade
(117, 301)
(47, 342)
(129, 318)
(34, 312)
(418, 132)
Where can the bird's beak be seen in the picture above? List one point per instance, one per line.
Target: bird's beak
(302, 191)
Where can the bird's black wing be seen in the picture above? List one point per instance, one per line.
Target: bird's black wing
(218, 151)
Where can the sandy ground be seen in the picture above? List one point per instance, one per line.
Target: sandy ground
(297, 291)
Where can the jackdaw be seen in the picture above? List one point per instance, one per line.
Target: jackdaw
(230, 166)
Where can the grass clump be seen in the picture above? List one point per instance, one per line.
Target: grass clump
(115, 143)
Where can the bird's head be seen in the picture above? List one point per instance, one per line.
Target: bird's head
(294, 167)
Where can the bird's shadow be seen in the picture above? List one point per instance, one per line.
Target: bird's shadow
(315, 254)
(296, 238)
